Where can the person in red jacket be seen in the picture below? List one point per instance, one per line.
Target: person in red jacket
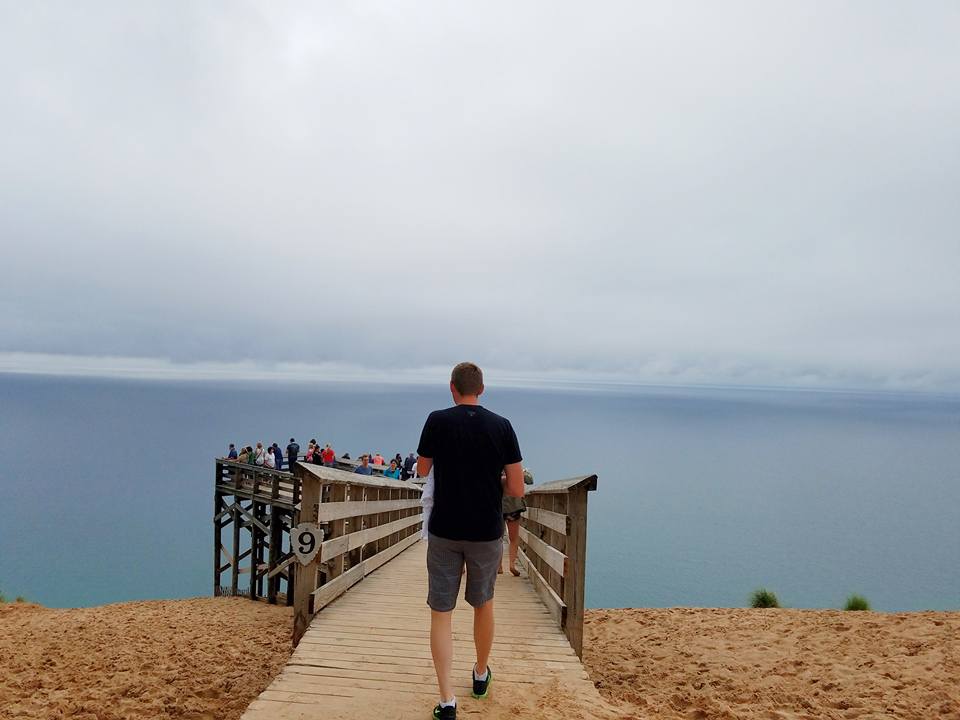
(328, 456)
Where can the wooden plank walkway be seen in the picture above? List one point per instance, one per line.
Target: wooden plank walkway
(367, 655)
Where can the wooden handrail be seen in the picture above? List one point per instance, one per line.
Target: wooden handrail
(586, 482)
(366, 521)
(256, 468)
(553, 546)
(335, 475)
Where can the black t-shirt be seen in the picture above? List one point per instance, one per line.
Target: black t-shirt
(469, 446)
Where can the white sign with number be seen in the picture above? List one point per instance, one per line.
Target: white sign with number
(306, 539)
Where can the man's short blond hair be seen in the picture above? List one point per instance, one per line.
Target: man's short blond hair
(467, 378)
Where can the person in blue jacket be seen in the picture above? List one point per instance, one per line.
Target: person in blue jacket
(364, 467)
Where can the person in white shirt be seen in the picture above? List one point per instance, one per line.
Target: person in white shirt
(269, 459)
(259, 455)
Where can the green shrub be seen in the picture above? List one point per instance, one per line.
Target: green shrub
(763, 598)
(3, 598)
(857, 602)
(20, 599)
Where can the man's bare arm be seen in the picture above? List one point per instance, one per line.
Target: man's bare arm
(423, 466)
(514, 486)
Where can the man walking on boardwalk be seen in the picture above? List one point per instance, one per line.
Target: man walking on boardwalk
(467, 446)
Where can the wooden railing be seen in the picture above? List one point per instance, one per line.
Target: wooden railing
(348, 464)
(553, 547)
(351, 465)
(365, 521)
(261, 501)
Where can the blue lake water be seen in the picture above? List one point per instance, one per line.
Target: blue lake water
(704, 494)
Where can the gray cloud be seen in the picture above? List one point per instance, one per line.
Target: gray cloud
(749, 191)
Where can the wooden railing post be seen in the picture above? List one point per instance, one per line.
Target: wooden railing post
(254, 538)
(305, 576)
(217, 527)
(574, 583)
(235, 560)
(553, 540)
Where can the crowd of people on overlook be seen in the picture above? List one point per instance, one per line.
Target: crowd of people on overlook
(275, 458)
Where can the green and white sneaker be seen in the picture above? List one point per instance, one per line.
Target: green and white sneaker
(445, 713)
(481, 688)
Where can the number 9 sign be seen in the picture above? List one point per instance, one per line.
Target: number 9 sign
(305, 539)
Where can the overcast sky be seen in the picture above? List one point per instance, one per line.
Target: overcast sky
(738, 192)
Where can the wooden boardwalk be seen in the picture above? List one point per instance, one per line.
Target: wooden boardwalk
(367, 655)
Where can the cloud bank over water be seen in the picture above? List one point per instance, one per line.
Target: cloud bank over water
(655, 373)
(752, 193)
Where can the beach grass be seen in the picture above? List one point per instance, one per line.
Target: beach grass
(19, 599)
(857, 602)
(764, 598)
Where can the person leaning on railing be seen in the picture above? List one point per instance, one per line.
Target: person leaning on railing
(328, 456)
(408, 465)
(293, 450)
(364, 467)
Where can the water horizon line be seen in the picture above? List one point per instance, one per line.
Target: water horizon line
(158, 369)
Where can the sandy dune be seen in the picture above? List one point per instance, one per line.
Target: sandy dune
(208, 658)
(682, 663)
(188, 659)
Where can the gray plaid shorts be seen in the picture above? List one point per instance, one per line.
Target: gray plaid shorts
(445, 561)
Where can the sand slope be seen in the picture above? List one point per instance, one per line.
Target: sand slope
(208, 658)
(683, 663)
(187, 659)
